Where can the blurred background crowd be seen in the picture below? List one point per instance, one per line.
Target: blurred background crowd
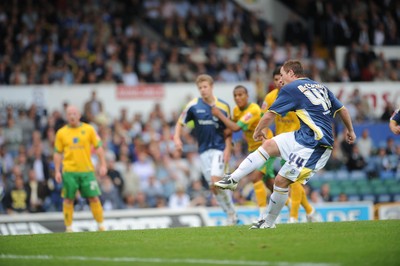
(131, 42)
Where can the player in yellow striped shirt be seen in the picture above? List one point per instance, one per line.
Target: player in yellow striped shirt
(246, 116)
(72, 151)
(288, 123)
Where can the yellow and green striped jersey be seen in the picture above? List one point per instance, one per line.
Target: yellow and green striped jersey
(247, 119)
(76, 144)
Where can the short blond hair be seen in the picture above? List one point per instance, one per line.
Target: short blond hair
(204, 77)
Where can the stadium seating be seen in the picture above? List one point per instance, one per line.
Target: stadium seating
(357, 186)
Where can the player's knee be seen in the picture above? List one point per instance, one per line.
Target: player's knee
(282, 182)
(68, 201)
(270, 183)
(93, 199)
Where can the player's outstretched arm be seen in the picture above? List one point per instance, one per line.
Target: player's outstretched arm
(267, 119)
(226, 120)
(345, 116)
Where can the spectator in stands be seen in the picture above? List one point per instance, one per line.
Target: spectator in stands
(387, 112)
(143, 168)
(158, 73)
(380, 163)
(130, 201)
(353, 65)
(363, 33)
(27, 126)
(365, 145)
(48, 141)
(198, 193)
(330, 73)
(325, 193)
(396, 160)
(222, 38)
(18, 77)
(4, 73)
(314, 195)
(153, 191)
(54, 189)
(110, 195)
(21, 162)
(179, 168)
(343, 197)
(93, 106)
(7, 163)
(346, 148)
(355, 161)
(174, 67)
(180, 199)
(379, 34)
(114, 174)
(131, 180)
(129, 77)
(141, 200)
(39, 163)
(390, 146)
(16, 198)
(37, 192)
(13, 137)
(164, 173)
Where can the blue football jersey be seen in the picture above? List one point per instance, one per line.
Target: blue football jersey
(208, 129)
(315, 105)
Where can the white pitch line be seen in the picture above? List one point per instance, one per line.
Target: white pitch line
(162, 260)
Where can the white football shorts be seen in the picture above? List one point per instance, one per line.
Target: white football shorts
(301, 162)
(212, 164)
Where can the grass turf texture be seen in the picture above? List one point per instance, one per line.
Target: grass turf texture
(335, 243)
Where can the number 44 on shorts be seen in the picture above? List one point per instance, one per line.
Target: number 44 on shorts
(293, 158)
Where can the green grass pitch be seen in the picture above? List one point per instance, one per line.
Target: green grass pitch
(315, 244)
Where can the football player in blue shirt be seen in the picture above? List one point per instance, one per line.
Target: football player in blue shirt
(213, 137)
(306, 150)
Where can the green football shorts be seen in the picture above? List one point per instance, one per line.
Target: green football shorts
(86, 183)
(268, 168)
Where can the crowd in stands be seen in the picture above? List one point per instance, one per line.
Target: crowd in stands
(76, 42)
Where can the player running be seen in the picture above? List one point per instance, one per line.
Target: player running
(246, 116)
(213, 137)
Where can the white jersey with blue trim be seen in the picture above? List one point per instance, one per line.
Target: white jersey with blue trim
(208, 129)
(315, 105)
